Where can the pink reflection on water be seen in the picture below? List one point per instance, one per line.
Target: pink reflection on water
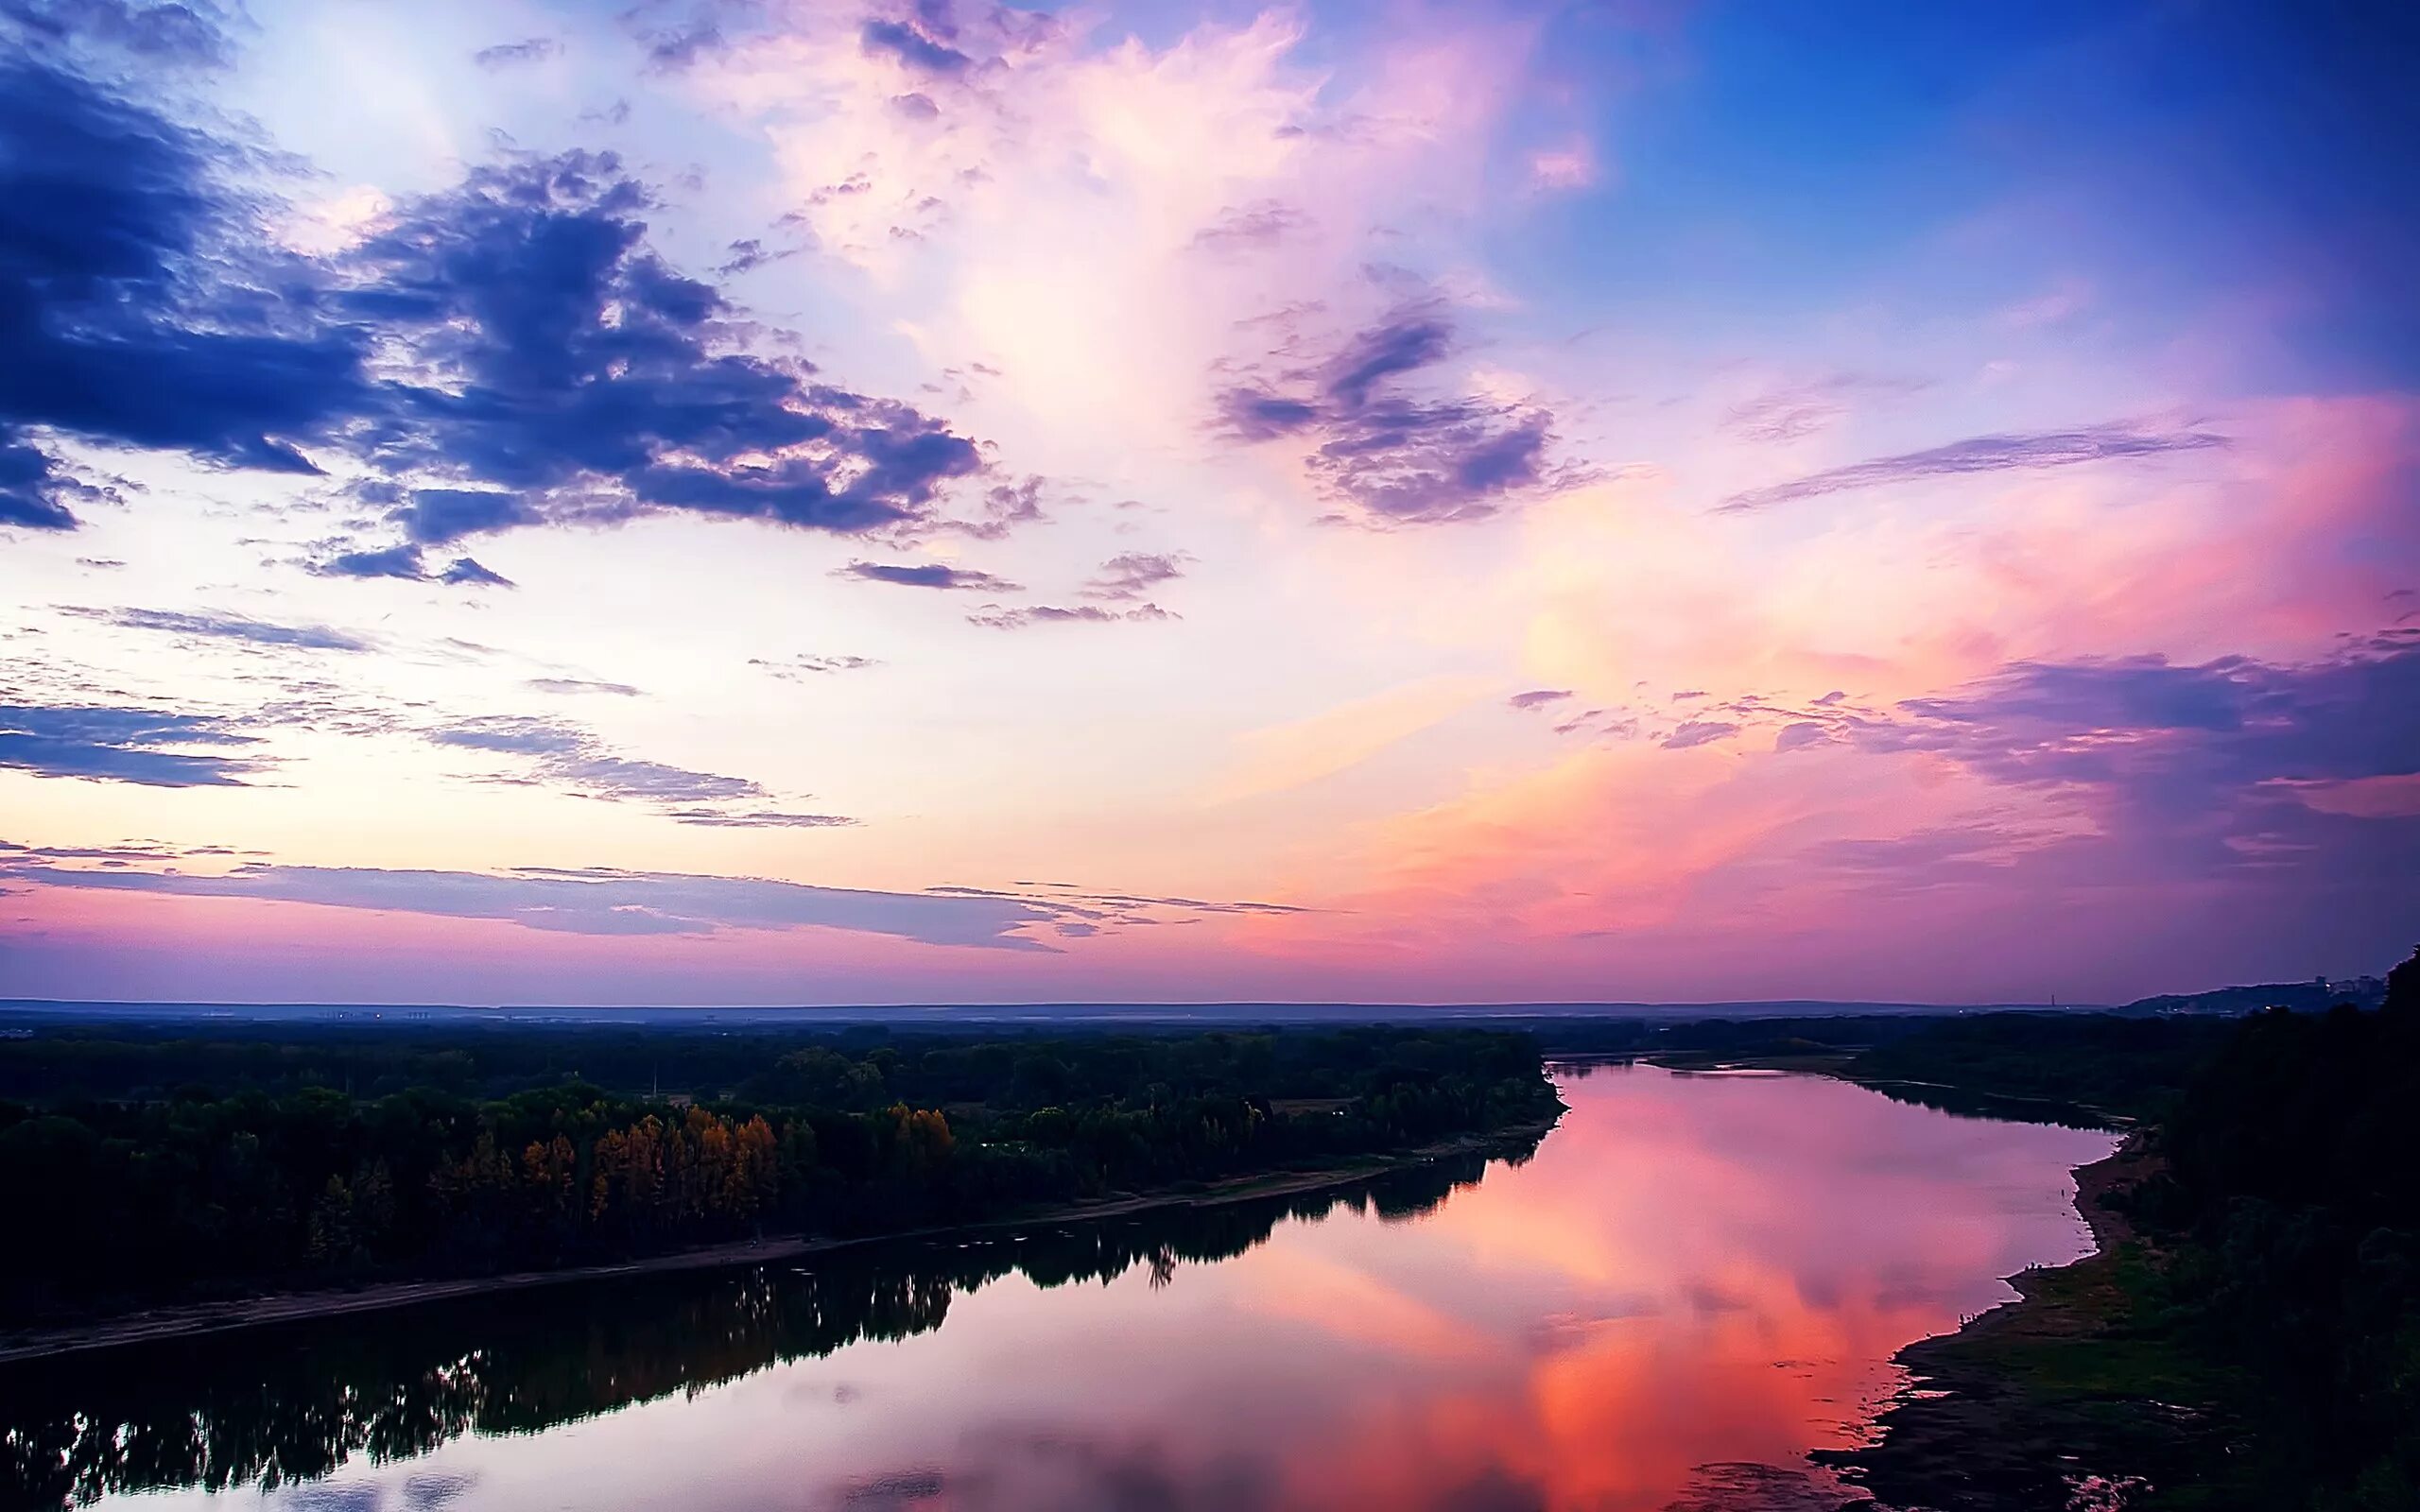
(1695, 1275)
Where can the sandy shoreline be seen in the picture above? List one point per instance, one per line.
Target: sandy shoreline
(186, 1321)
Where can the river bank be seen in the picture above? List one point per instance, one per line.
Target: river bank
(188, 1319)
(2078, 1397)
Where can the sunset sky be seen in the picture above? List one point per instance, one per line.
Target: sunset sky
(926, 502)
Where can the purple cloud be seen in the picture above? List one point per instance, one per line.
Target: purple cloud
(1700, 732)
(590, 901)
(992, 617)
(121, 745)
(1981, 454)
(927, 575)
(1397, 460)
(907, 42)
(225, 628)
(1130, 575)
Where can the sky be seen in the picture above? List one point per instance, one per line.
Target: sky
(920, 501)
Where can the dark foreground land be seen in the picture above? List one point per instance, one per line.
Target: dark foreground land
(2247, 1334)
(208, 1181)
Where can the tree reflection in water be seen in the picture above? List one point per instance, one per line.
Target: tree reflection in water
(293, 1402)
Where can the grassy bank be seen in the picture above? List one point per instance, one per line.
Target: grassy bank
(2089, 1392)
(2248, 1334)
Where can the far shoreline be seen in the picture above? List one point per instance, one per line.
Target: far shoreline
(196, 1319)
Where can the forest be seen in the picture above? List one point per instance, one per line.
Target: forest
(2250, 1334)
(2290, 1207)
(172, 1187)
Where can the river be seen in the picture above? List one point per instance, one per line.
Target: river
(1687, 1285)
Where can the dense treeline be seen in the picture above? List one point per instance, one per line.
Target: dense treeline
(194, 1192)
(2292, 1196)
(2249, 1336)
(2135, 1068)
(290, 1404)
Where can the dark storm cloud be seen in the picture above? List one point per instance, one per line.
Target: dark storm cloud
(121, 745)
(927, 575)
(1983, 454)
(540, 361)
(225, 626)
(1399, 459)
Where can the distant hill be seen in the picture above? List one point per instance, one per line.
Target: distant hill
(2314, 996)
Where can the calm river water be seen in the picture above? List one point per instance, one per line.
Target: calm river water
(1687, 1285)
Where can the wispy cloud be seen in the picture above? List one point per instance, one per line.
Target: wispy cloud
(1983, 454)
(1132, 575)
(927, 575)
(576, 685)
(611, 901)
(507, 54)
(759, 819)
(1700, 732)
(136, 746)
(225, 628)
(590, 901)
(993, 617)
(799, 667)
(565, 755)
(403, 562)
(1793, 411)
